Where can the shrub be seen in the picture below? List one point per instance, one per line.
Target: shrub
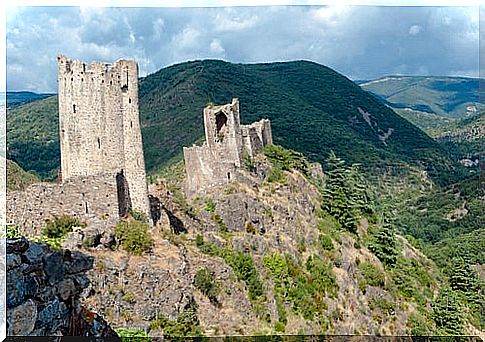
(134, 236)
(13, 232)
(199, 240)
(326, 242)
(59, 227)
(210, 206)
(241, 263)
(304, 289)
(243, 266)
(418, 325)
(387, 307)
(220, 223)
(138, 215)
(129, 334)
(286, 159)
(248, 162)
(204, 281)
(280, 326)
(276, 175)
(301, 245)
(372, 275)
(128, 297)
(186, 324)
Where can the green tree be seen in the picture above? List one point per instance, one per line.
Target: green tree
(344, 194)
(448, 312)
(384, 245)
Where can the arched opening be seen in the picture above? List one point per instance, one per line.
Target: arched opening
(221, 122)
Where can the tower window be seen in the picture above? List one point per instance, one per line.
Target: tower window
(74, 108)
(99, 143)
(129, 100)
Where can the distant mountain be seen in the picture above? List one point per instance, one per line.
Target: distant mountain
(451, 97)
(312, 109)
(18, 98)
(464, 138)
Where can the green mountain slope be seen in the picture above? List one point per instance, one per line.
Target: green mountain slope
(444, 96)
(33, 136)
(464, 138)
(312, 109)
(18, 98)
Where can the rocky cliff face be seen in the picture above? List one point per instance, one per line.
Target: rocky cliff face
(43, 290)
(238, 234)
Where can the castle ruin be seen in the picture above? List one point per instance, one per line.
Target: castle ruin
(102, 165)
(226, 144)
(100, 127)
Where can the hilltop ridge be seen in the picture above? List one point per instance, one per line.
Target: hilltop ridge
(305, 102)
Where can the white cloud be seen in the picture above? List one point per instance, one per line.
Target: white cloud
(187, 39)
(360, 41)
(230, 20)
(216, 47)
(415, 29)
(331, 15)
(158, 28)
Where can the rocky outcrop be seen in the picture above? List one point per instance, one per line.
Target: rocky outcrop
(43, 289)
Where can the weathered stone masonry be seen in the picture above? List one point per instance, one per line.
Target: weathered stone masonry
(100, 127)
(227, 141)
(102, 163)
(92, 199)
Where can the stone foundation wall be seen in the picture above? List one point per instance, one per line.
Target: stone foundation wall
(205, 170)
(43, 290)
(92, 199)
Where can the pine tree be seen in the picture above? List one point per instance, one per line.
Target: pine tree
(447, 312)
(384, 245)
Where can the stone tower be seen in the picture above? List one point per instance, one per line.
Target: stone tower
(100, 128)
(223, 132)
(226, 143)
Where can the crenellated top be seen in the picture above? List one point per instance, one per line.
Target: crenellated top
(78, 67)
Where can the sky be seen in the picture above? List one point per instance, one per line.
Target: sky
(361, 42)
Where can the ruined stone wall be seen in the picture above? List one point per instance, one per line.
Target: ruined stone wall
(99, 123)
(43, 290)
(252, 142)
(223, 132)
(218, 159)
(204, 170)
(92, 199)
(256, 136)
